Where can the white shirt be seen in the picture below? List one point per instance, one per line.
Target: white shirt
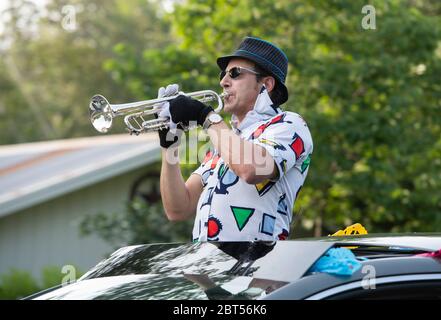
(229, 209)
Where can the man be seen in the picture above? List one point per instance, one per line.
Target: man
(246, 187)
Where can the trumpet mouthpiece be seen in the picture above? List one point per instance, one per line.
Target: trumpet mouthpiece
(224, 95)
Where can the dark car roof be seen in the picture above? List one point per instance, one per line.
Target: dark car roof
(157, 271)
(394, 269)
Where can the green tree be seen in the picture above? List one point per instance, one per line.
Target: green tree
(17, 284)
(51, 66)
(370, 97)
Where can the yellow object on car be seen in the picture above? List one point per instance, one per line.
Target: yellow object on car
(354, 229)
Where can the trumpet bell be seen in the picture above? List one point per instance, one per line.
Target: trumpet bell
(101, 114)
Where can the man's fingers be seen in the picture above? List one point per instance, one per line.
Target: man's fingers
(171, 89)
(164, 110)
(161, 92)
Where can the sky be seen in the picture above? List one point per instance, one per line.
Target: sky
(167, 5)
(4, 4)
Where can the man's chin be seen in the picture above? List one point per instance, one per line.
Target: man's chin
(228, 108)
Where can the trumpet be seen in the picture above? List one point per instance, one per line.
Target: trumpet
(102, 112)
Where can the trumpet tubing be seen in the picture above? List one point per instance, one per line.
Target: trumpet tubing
(102, 112)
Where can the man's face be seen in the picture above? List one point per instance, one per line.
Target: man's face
(243, 90)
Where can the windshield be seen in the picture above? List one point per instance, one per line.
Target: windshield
(195, 271)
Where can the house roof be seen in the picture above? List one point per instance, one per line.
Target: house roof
(31, 173)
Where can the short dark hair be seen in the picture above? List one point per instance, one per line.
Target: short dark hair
(275, 94)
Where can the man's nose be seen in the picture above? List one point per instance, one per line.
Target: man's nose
(225, 81)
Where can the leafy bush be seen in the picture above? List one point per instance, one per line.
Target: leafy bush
(17, 284)
(140, 223)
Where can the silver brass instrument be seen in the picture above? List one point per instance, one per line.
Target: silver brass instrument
(102, 112)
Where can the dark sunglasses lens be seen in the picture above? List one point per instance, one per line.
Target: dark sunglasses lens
(234, 72)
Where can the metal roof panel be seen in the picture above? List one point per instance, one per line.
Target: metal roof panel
(34, 172)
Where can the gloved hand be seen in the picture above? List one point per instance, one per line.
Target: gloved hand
(166, 137)
(184, 109)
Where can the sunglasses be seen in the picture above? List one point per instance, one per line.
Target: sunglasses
(234, 72)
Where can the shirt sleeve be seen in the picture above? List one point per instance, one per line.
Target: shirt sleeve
(287, 140)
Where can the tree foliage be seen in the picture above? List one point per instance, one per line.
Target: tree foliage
(371, 97)
(18, 284)
(51, 66)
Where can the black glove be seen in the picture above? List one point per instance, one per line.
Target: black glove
(184, 109)
(163, 141)
(172, 138)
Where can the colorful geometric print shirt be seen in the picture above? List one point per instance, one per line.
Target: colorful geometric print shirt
(230, 209)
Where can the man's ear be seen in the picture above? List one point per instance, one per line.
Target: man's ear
(269, 83)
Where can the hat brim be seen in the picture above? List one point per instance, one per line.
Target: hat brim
(222, 62)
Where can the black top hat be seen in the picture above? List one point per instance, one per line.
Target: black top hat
(267, 56)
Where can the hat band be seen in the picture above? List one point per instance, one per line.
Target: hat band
(260, 57)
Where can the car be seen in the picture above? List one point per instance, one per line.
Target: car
(374, 266)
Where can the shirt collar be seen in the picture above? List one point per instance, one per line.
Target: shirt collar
(263, 109)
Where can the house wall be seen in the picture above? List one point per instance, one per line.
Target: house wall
(48, 234)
